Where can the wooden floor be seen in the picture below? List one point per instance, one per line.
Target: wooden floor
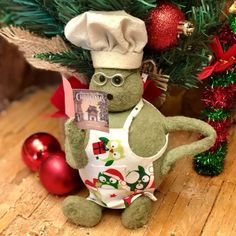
(187, 204)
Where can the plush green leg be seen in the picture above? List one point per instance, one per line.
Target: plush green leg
(82, 211)
(137, 214)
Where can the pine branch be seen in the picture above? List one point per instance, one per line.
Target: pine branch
(138, 8)
(76, 59)
(69, 9)
(206, 16)
(37, 16)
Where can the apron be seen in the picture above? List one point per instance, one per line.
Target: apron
(115, 175)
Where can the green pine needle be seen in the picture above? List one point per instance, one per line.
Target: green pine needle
(137, 8)
(34, 15)
(69, 9)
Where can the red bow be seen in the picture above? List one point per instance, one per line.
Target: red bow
(224, 60)
(151, 91)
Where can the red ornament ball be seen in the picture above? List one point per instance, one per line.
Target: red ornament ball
(57, 176)
(162, 26)
(37, 148)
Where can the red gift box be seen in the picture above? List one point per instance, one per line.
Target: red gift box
(99, 148)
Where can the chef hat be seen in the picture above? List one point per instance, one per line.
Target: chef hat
(115, 39)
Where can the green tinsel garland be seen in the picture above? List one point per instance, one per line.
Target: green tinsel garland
(232, 22)
(223, 80)
(210, 163)
(216, 114)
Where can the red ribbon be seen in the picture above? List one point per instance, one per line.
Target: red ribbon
(224, 59)
(151, 91)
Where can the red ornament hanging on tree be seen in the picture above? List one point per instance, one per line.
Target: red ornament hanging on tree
(37, 148)
(57, 176)
(164, 25)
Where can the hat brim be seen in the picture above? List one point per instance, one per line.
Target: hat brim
(105, 59)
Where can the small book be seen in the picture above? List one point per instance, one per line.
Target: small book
(91, 109)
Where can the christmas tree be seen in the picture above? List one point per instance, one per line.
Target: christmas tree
(179, 50)
(182, 62)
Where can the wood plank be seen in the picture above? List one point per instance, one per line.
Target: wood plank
(199, 210)
(20, 113)
(46, 125)
(7, 218)
(14, 156)
(187, 204)
(14, 182)
(222, 218)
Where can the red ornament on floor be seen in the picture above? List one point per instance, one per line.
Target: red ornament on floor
(164, 25)
(37, 148)
(57, 176)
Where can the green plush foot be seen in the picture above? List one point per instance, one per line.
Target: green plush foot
(81, 211)
(137, 214)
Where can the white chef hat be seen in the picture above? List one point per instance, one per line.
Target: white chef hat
(115, 39)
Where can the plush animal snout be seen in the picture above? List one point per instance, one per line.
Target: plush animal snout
(109, 96)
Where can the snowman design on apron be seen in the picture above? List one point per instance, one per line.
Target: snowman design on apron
(115, 175)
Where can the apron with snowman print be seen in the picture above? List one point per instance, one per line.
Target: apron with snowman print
(115, 175)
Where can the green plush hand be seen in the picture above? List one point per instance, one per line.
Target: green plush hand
(74, 145)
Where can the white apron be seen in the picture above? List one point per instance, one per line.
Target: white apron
(115, 175)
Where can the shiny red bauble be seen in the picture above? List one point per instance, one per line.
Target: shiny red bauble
(162, 26)
(57, 176)
(37, 148)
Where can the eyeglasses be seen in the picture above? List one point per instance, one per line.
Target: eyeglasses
(117, 80)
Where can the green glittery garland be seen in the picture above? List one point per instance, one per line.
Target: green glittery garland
(216, 114)
(232, 23)
(210, 163)
(223, 80)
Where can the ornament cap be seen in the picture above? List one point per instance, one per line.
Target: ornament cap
(232, 9)
(186, 28)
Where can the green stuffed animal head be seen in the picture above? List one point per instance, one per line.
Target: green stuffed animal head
(124, 87)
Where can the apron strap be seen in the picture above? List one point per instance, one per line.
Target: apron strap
(133, 114)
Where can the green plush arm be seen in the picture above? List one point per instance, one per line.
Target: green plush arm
(189, 124)
(74, 145)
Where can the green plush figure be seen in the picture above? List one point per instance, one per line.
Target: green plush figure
(138, 132)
